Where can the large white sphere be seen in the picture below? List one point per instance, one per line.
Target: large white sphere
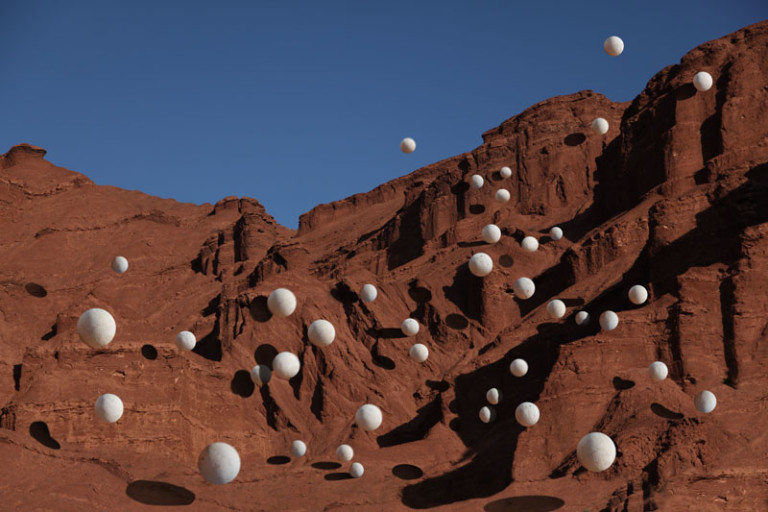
(120, 264)
(491, 234)
(638, 294)
(658, 371)
(527, 414)
(286, 365)
(556, 233)
(609, 320)
(298, 449)
(410, 327)
(407, 145)
(530, 244)
(369, 417)
(596, 451)
(356, 470)
(524, 288)
(369, 293)
(480, 264)
(705, 401)
(702, 81)
(108, 408)
(486, 414)
(321, 333)
(185, 340)
(419, 353)
(502, 195)
(505, 172)
(96, 327)
(260, 374)
(476, 181)
(518, 367)
(345, 453)
(281, 302)
(613, 46)
(600, 126)
(219, 463)
(582, 318)
(493, 396)
(556, 308)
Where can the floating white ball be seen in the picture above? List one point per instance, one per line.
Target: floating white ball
(96, 327)
(705, 401)
(658, 371)
(530, 244)
(345, 453)
(120, 264)
(298, 449)
(321, 333)
(476, 181)
(281, 302)
(613, 46)
(108, 408)
(638, 294)
(286, 365)
(702, 81)
(185, 340)
(480, 264)
(524, 288)
(419, 353)
(502, 195)
(556, 233)
(356, 470)
(596, 451)
(493, 396)
(407, 145)
(486, 414)
(518, 367)
(582, 318)
(505, 172)
(410, 327)
(491, 234)
(556, 308)
(609, 320)
(527, 414)
(369, 293)
(219, 463)
(260, 374)
(369, 417)
(600, 126)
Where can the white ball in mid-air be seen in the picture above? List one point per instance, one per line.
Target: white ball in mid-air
(260, 374)
(638, 294)
(108, 408)
(281, 302)
(491, 234)
(321, 333)
(476, 181)
(120, 264)
(705, 402)
(600, 126)
(556, 233)
(486, 414)
(493, 396)
(609, 320)
(407, 145)
(702, 81)
(369, 293)
(524, 288)
(502, 195)
(286, 365)
(613, 46)
(410, 327)
(419, 353)
(582, 318)
(345, 453)
(530, 244)
(480, 264)
(219, 463)
(298, 448)
(356, 470)
(518, 367)
(527, 414)
(556, 308)
(369, 417)
(505, 172)
(96, 327)
(596, 451)
(658, 371)
(186, 340)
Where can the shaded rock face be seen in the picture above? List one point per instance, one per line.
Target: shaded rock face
(673, 197)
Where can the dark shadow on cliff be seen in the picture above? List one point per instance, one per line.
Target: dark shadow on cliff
(151, 492)
(525, 504)
(417, 428)
(40, 433)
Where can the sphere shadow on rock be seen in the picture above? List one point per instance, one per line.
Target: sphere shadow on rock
(525, 503)
(242, 384)
(326, 465)
(621, 384)
(36, 290)
(407, 472)
(419, 294)
(663, 412)
(476, 209)
(149, 352)
(575, 139)
(264, 354)
(259, 310)
(40, 433)
(456, 321)
(506, 261)
(438, 385)
(151, 492)
(685, 91)
(332, 477)
(277, 460)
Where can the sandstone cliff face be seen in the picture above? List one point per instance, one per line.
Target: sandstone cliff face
(673, 197)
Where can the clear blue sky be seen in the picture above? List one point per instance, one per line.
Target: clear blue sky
(301, 103)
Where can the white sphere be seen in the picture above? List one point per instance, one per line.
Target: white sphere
(556, 233)
(368, 417)
(219, 463)
(493, 396)
(705, 401)
(486, 414)
(480, 264)
(530, 244)
(369, 293)
(658, 371)
(502, 195)
(491, 234)
(638, 294)
(281, 302)
(527, 414)
(596, 451)
(260, 374)
(609, 320)
(613, 46)
(345, 453)
(108, 408)
(419, 353)
(476, 181)
(407, 145)
(356, 470)
(702, 81)
(518, 367)
(556, 308)
(286, 365)
(321, 333)
(505, 172)
(96, 327)
(298, 449)
(582, 318)
(120, 264)
(600, 126)
(185, 340)
(410, 327)
(524, 288)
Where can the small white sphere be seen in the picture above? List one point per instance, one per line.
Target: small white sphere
(600, 126)
(556, 233)
(493, 396)
(369, 293)
(556, 308)
(321, 333)
(702, 81)
(476, 182)
(480, 264)
(281, 302)
(527, 414)
(582, 318)
(356, 470)
(486, 414)
(286, 365)
(120, 264)
(219, 463)
(410, 327)
(638, 294)
(407, 145)
(613, 46)
(658, 371)
(596, 451)
(505, 172)
(502, 195)
(518, 367)
(345, 453)
(419, 353)
(369, 417)
(298, 449)
(108, 408)
(260, 374)
(609, 320)
(491, 234)
(185, 340)
(524, 288)
(705, 401)
(96, 327)
(530, 244)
